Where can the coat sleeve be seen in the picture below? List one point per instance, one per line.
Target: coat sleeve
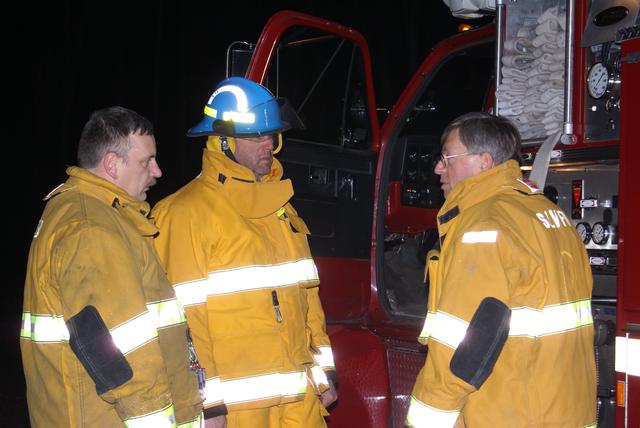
(320, 343)
(472, 267)
(100, 282)
(183, 252)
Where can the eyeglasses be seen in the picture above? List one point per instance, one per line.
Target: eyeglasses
(445, 158)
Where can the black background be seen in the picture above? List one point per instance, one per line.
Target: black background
(65, 59)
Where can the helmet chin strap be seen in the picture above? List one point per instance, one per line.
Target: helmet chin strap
(226, 149)
(277, 143)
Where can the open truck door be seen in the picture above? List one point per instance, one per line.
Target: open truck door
(324, 70)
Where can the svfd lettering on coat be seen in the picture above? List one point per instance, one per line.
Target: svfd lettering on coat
(552, 219)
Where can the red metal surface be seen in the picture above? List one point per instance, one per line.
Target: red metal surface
(628, 308)
(405, 361)
(280, 22)
(403, 218)
(344, 287)
(363, 388)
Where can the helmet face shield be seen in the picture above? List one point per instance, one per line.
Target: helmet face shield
(289, 115)
(240, 107)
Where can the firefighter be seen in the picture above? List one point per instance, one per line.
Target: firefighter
(509, 328)
(103, 338)
(236, 252)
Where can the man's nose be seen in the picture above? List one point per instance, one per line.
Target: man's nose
(155, 170)
(267, 144)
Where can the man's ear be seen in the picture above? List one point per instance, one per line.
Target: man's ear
(110, 164)
(486, 161)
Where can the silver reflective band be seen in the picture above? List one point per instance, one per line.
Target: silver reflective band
(127, 336)
(170, 312)
(213, 392)
(325, 358)
(245, 279)
(239, 117)
(144, 328)
(164, 418)
(264, 387)
(135, 332)
(242, 103)
(444, 328)
(422, 415)
(525, 322)
(551, 319)
(44, 328)
(482, 237)
(319, 376)
(628, 356)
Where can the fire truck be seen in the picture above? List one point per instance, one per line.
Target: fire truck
(567, 72)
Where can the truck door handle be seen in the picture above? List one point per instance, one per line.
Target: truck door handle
(347, 185)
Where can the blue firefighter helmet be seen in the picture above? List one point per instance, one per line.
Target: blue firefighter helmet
(240, 107)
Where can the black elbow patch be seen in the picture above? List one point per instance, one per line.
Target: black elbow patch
(218, 410)
(92, 343)
(476, 355)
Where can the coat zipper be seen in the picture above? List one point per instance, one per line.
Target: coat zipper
(276, 305)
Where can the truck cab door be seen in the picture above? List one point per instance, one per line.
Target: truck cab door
(324, 70)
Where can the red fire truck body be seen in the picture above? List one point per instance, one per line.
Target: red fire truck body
(364, 179)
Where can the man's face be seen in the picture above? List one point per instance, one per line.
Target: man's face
(452, 171)
(139, 171)
(256, 153)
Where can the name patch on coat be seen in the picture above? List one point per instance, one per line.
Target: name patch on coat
(482, 237)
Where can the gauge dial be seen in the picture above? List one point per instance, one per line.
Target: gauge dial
(598, 80)
(584, 230)
(600, 233)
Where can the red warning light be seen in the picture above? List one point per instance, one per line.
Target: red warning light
(577, 193)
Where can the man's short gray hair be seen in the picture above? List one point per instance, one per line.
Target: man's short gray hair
(485, 133)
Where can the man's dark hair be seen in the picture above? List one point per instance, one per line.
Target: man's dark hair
(108, 130)
(486, 133)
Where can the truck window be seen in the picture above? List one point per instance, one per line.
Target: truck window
(459, 86)
(322, 76)
(329, 161)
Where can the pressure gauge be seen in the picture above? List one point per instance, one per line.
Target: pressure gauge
(584, 230)
(598, 80)
(600, 233)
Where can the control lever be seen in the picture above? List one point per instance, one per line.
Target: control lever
(603, 332)
(349, 183)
